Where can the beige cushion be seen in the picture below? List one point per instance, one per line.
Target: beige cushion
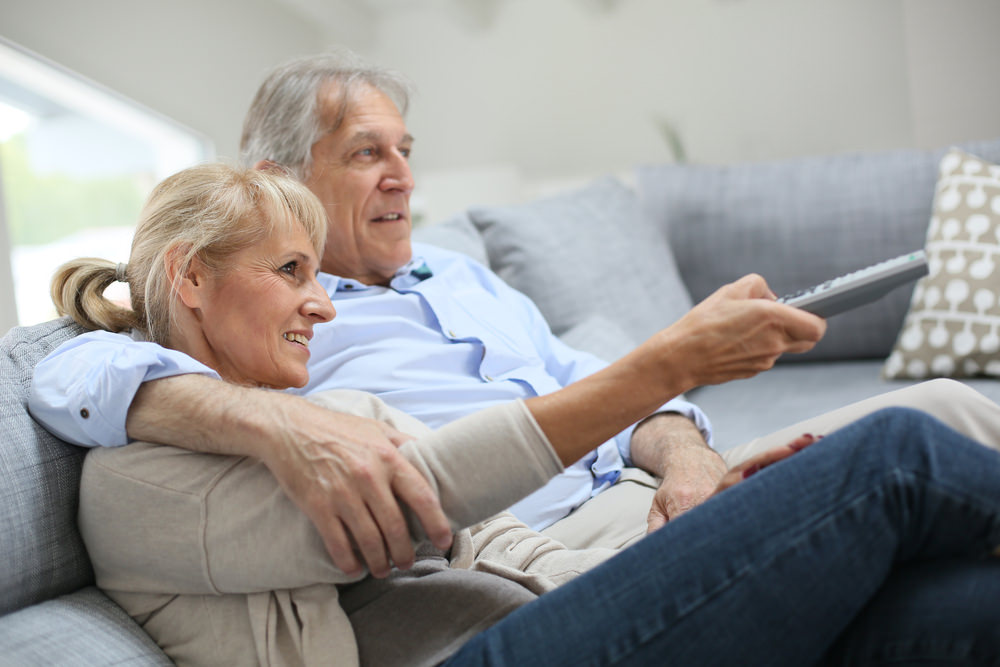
(952, 328)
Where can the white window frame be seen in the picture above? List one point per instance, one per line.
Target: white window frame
(87, 97)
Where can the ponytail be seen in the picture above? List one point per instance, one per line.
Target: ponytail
(78, 291)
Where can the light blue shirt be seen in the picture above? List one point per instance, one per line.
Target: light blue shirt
(447, 338)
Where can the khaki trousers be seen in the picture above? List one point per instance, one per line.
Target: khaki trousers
(617, 517)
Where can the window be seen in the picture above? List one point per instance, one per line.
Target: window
(76, 163)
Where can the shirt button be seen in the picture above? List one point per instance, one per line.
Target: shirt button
(85, 413)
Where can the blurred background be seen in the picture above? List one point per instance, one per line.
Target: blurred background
(515, 98)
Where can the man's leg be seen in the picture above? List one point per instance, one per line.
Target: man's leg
(613, 519)
(958, 405)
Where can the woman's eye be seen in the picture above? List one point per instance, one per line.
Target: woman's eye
(290, 268)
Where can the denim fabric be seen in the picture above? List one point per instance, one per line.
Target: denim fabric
(807, 562)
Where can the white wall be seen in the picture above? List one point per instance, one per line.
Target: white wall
(552, 91)
(197, 61)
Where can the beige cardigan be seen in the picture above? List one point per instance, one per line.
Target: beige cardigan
(208, 554)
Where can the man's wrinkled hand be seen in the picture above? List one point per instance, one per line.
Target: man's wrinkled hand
(690, 481)
(347, 475)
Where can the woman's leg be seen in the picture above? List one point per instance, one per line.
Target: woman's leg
(774, 570)
(934, 612)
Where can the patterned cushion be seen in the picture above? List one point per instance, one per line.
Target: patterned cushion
(951, 329)
(587, 253)
(41, 553)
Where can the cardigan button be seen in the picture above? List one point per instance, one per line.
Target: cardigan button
(85, 413)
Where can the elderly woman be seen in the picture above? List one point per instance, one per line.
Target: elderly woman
(870, 546)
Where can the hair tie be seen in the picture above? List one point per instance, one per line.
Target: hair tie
(120, 274)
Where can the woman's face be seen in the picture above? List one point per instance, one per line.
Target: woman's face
(257, 317)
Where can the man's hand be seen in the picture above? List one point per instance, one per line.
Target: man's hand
(737, 332)
(344, 472)
(671, 447)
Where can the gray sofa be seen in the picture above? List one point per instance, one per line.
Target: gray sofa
(608, 265)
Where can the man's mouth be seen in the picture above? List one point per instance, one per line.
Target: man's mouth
(297, 338)
(388, 217)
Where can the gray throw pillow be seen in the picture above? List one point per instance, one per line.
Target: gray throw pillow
(456, 233)
(587, 253)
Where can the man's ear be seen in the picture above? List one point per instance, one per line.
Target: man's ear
(271, 166)
(188, 283)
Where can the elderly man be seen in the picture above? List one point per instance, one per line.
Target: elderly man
(427, 330)
(432, 333)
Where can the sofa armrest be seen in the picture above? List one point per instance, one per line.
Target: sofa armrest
(82, 628)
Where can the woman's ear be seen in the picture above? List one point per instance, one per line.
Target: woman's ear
(187, 282)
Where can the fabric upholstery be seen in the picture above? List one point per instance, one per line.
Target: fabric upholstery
(789, 393)
(584, 253)
(41, 553)
(953, 326)
(456, 233)
(84, 628)
(798, 223)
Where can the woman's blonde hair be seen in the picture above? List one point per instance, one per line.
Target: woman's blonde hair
(210, 212)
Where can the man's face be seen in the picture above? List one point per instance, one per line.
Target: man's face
(362, 175)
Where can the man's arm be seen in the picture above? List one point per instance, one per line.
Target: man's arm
(101, 389)
(344, 472)
(671, 447)
(568, 365)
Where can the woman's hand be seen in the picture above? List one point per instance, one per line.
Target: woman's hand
(755, 464)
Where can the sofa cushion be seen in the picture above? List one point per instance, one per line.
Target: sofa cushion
(456, 233)
(798, 223)
(953, 326)
(586, 253)
(83, 628)
(789, 393)
(41, 552)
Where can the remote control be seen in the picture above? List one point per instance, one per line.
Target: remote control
(860, 287)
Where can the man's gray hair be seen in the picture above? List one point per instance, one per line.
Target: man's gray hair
(284, 120)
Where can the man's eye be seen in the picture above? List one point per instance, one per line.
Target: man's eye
(366, 152)
(405, 152)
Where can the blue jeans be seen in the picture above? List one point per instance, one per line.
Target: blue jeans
(870, 547)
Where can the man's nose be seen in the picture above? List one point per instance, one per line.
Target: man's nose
(398, 175)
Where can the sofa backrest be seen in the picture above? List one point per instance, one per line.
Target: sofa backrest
(609, 266)
(603, 279)
(799, 223)
(41, 552)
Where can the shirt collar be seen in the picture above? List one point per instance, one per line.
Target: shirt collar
(410, 274)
